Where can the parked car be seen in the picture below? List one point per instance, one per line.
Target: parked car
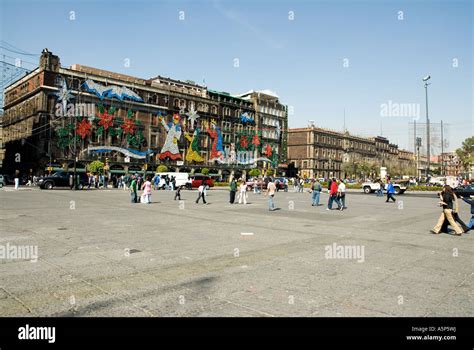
(62, 179)
(280, 184)
(371, 187)
(464, 190)
(197, 179)
(2, 181)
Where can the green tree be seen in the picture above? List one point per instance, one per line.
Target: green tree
(254, 172)
(96, 167)
(204, 171)
(162, 169)
(270, 172)
(466, 153)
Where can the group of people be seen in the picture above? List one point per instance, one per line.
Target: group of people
(242, 189)
(145, 186)
(450, 214)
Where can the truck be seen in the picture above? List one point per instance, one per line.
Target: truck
(371, 187)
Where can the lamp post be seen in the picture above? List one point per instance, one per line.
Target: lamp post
(425, 79)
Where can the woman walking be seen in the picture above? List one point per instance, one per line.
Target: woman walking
(146, 191)
(341, 194)
(448, 198)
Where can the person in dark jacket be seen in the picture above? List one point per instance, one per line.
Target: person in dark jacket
(447, 203)
(456, 217)
(233, 190)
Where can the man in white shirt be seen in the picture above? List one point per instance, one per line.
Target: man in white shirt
(341, 193)
(201, 193)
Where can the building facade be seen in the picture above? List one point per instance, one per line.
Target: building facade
(55, 115)
(450, 164)
(323, 153)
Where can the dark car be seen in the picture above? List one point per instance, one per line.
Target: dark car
(464, 190)
(62, 179)
(197, 179)
(280, 184)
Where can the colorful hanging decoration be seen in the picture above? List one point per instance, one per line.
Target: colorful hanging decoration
(244, 142)
(268, 151)
(278, 130)
(217, 151)
(246, 119)
(84, 128)
(128, 126)
(192, 153)
(111, 91)
(256, 141)
(106, 120)
(170, 148)
(192, 116)
(64, 94)
(129, 152)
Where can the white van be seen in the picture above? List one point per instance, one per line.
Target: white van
(182, 179)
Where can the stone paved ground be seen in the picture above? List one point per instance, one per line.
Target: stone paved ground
(99, 255)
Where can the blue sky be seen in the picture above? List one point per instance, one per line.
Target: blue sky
(302, 60)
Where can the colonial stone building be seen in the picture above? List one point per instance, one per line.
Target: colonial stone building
(450, 164)
(324, 153)
(56, 114)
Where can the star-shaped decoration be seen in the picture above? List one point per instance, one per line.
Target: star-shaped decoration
(64, 94)
(192, 116)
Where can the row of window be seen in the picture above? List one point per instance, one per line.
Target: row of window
(272, 111)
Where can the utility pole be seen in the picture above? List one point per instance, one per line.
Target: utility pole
(428, 145)
(442, 150)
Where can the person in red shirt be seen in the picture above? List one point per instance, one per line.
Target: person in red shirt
(333, 195)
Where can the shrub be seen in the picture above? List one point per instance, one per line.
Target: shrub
(254, 172)
(205, 171)
(162, 169)
(96, 167)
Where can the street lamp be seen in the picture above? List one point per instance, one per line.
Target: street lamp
(425, 79)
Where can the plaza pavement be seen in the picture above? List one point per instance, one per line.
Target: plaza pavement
(99, 255)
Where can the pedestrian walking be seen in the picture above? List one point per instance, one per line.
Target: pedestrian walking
(243, 192)
(173, 183)
(156, 181)
(333, 195)
(201, 193)
(133, 189)
(447, 201)
(301, 186)
(316, 193)
(456, 216)
(341, 194)
(271, 188)
(233, 190)
(390, 191)
(379, 192)
(146, 187)
(255, 185)
(177, 194)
